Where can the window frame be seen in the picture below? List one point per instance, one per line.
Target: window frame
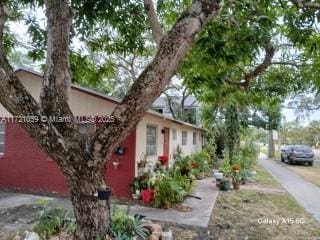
(3, 132)
(159, 110)
(156, 140)
(184, 139)
(194, 138)
(174, 134)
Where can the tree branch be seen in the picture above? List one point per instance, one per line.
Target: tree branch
(57, 78)
(16, 99)
(3, 18)
(290, 64)
(269, 49)
(169, 101)
(154, 78)
(303, 4)
(253, 74)
(153, 21)
(307, 108)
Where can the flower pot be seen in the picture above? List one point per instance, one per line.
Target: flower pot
(225, 185)
(218, 182)
(236, 185)
(115, 165)
(218, 175)
(104, 194)
(135, 196)
(147, 195)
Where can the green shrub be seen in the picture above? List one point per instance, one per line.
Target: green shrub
(53, 221)
(171, 187)
(168, 191)
(125, 226)
(201, 160)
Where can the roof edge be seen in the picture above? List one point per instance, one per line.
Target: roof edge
(111, 99)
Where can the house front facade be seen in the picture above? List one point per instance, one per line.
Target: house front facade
(23, 166)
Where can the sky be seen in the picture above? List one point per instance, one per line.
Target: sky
(290, 115)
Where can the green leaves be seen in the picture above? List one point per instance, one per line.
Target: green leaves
(87, 72)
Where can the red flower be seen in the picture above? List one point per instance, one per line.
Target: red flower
(194, 164)
(163, 159)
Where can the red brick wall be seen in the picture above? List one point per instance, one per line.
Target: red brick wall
(24, 166)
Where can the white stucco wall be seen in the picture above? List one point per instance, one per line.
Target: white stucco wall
(80, 102)
(160, 123)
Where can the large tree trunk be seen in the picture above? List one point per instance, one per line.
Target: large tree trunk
(92, 215)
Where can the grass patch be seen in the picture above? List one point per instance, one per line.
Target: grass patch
(237, 215)
(42, 201)
(264, 178)
(311, 174)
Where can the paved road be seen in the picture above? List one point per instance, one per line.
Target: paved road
(306, 193)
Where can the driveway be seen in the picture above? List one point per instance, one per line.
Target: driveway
(305, 193)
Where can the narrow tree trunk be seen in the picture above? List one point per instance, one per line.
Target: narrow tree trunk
(271, 145)
(92, 215)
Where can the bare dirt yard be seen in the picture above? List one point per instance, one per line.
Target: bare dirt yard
(17, 220)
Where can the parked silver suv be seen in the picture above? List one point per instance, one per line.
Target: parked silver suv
(297, 153)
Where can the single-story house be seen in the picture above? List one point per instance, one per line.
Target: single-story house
(23, 166)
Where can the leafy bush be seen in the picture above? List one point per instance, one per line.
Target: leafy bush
(245, 175)
(247, 156)
(168, 191)
(53, 221)
(125, 226)
(171, 187)
(201, 160)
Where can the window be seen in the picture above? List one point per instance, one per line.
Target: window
(86, 127)
(151, 148)
(194, 138)
(174, 134)
(184, 138)
(159, 110)
(2, 132)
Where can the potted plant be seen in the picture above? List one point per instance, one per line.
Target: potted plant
(236, 178)
(224, 184)
(115, 163)
(163, 159)
(143, 162)
(147, 195)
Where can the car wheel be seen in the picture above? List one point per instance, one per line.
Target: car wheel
(310, 163)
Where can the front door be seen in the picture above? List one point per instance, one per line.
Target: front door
(166, 140)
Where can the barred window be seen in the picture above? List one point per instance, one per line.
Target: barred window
(174, 134)
(194, 138)
(184, 138)
(151, 146)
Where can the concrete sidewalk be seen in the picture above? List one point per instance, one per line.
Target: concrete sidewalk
(198, 216)
(11, 200)
(305, 193)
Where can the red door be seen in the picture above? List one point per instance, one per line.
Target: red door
(166, 139)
